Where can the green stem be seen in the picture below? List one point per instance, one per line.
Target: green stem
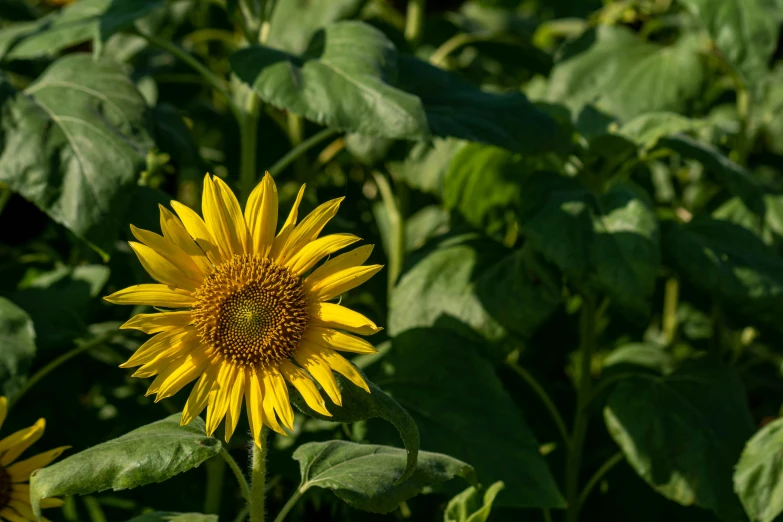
(574, 460)
(94, 510)
(54, 364)
(217, 83)
(242, 515)
(598, 475)
(257, 488)
(544, 396)
(248, 137)
(290, 504)
(547, 515)
(216, 470)
(5, 195)
(438, 58)
(414, 21)
(300, 149)
(397, 229)
(670, 299)
(232, 464)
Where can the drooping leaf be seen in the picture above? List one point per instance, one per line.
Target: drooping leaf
(745, 31)
(74, 24)
(619, 72)
(611, 241)
(480, 284)
(757, 477)
(49, 155)
(472, 505)
(462, 410)
(365, 475)
(294, 22)
(149, 454)
(729, 262)
(683, 433)
(358, 405)
(17, 346)
(162, 516)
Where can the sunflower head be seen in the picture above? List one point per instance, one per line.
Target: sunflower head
(248, 307)
(15, 474)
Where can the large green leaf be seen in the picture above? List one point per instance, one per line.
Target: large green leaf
(149, 454)
(462, 410)
(49, 154)
(684, 432)
(745, 31)
(647, 129)
(162, 516)
(294, 22)
(730, 263)
(472, 505)
(609, 241)
(426, 164)
(17, 339)
(493, 290)
(365, 475)
(74, 24)
(757, 478)
(626, 76)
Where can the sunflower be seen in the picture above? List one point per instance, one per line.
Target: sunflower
(252, 308)
(14, 489)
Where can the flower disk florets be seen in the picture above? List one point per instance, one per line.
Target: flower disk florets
(251, 311)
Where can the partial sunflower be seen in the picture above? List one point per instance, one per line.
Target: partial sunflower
(14, 476)
(255, 310)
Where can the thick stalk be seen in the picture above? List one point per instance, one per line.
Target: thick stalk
(216, 469)
(414, 21)
(574, 460)
(396, 229)
(290, 504)
(258, 484)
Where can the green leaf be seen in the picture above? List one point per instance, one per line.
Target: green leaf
(462, 410)
(757, 477)
(683, 433)
(745, 31)
(74, 24)
(294, 22)
(365, 475)
(345, 81)
(358, 405)
(149, 454)
(729, 174)
(611, 241)
(647, 129)
(767, 228)
(161, 516)
(730, 263)
(426, 164)
(49, 155)
(617, 71)
(17, 339)
(472, 505)
(477, 282)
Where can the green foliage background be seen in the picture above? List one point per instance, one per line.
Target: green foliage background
(580, 209)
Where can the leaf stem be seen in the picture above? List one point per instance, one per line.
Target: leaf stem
(438, 58)
(574, 460)
(544, 396)
(257, 488)
(290, 504)
(300, 149)
(245, 487)
(670, 298)
(599, 474)
(396, 226)
(414, 21)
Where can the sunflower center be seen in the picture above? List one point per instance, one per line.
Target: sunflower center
(252, 311)
(5, 487)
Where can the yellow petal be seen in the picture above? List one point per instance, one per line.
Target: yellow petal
(275, 384)
(154, 323)
(12, 516)
(235, 396)
(309, 228)
(351, 259)
(20, 472)
(168, 358)
(48, 503)
(161, 344)
(268, 402)
(335, 340)
(339, 364)
(3, 410)
(189, 369)
(254, 404)
(332, 315)
(305, 385)
(339, 283)
(23, 508)
(175, 231)
(197, 229)
(218, 399)
(14, 445)
(161, 269)
(152, 295)
(171, 252)
(314, 251)
(320, 371)
(288, 227)
(199, 397)
(261, 215)
(223, 217)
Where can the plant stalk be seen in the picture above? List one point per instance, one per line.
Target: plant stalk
(290, 504)
(414, 21)
(598, 475)
(216, 469)
(258, 484)
(248, 131)
(574, 460)
(670, 299)
(237, 473)
(396, 229)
